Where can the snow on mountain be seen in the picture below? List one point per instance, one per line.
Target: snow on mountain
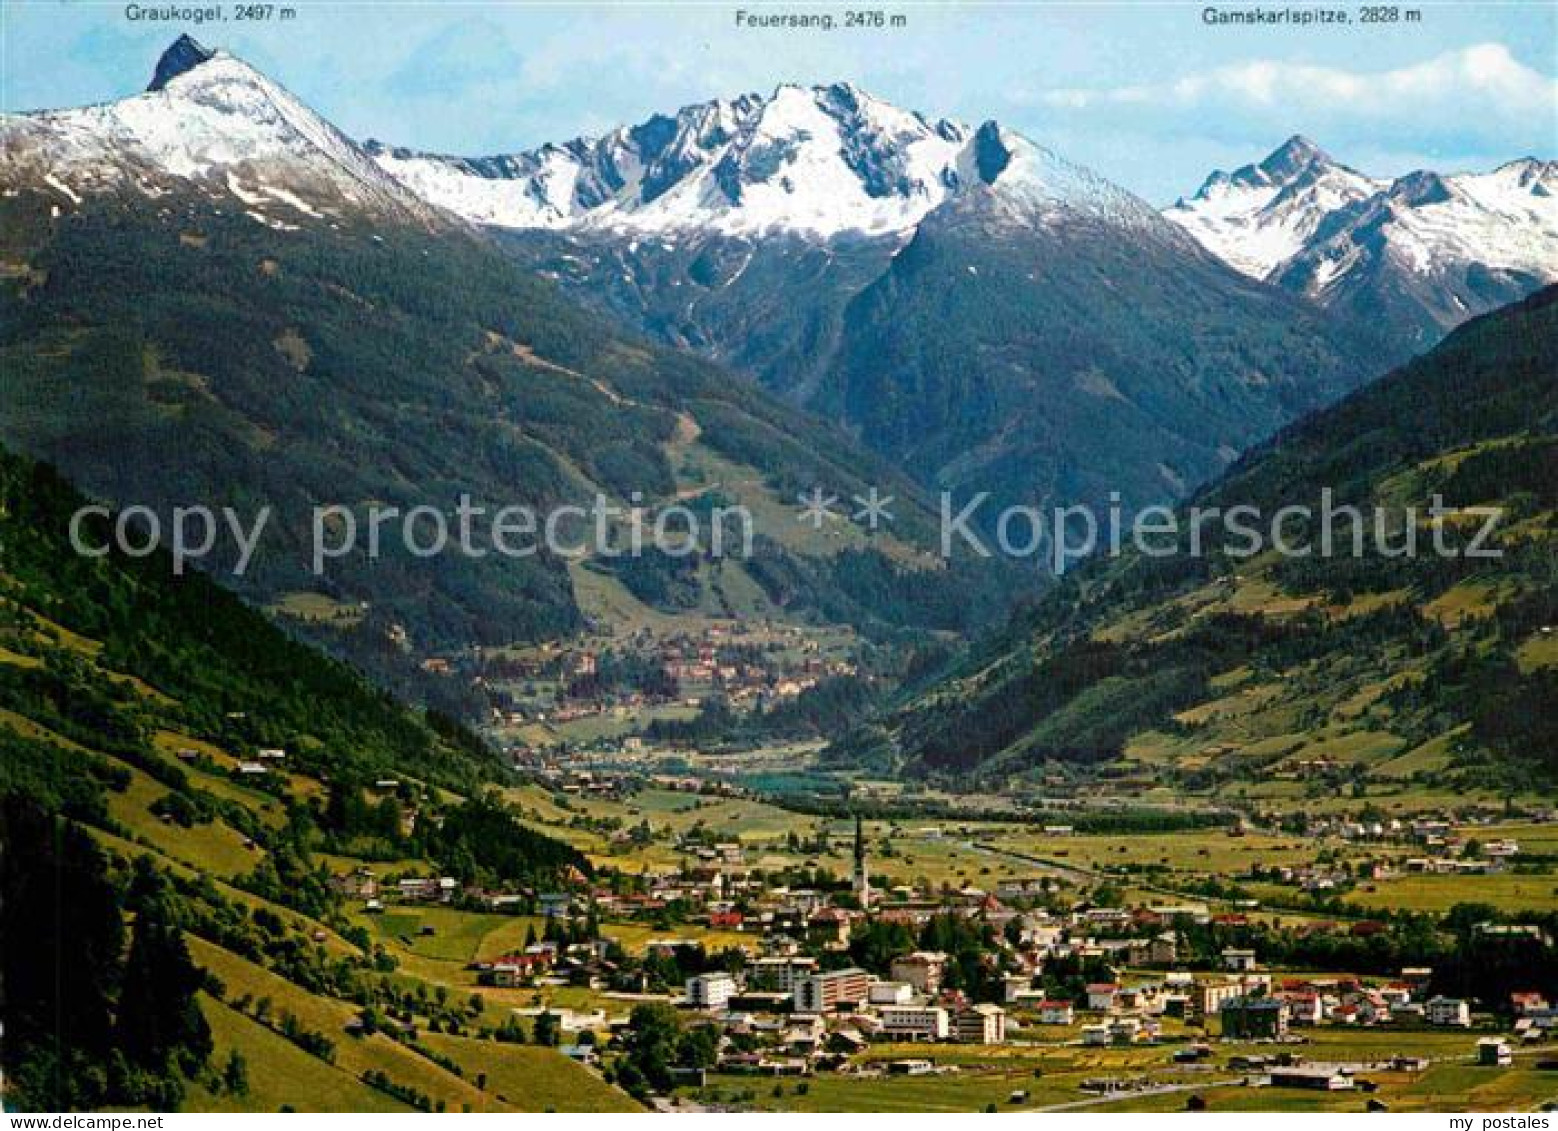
(1300, 216)
(1506, 220)
(1260, 216)
(819, 161)
(208, 122)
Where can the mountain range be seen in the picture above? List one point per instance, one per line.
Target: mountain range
(212, 293)
(1416, 255)
(980, 310)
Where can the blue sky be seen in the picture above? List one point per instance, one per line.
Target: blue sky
(1145, 93)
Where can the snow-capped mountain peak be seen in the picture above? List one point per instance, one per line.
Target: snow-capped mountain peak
(1294, 157)
(819, 160)
(184, 54)
(1260, 215)
(1431, 224)
(1431, 248)
(210, 123)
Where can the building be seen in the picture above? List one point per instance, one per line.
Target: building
(914, 1022)
(981, 1025)
(1528, 1003)
(710, 991)
(1056, 1013)
(822, 993)
(923, 970)
(891, 993)
(1018, 988)
(1101, 996)
(1255, 1019)
(1239, 961)
(1493, 1052)
(1304, 1007)
(513, 971)
(1208, 996)
(555, 905)
(1315, 1077)
(1095, 1036)
(1449, 1011)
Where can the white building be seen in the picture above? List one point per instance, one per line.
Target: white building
(1101, 996)
(710, 991)
(891, 993)
(1449, 1011)
(914, 1022)
(1056, 1013)
(1238, 960)
(982, 1025)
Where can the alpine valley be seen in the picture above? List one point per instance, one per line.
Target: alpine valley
(214, 297)
(842, 824)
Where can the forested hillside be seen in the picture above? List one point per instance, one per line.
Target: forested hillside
(170, 353)
(173, 770)
(1271, 675)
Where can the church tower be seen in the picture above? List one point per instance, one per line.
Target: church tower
(862, 877)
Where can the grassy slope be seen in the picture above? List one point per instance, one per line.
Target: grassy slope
(108, 670)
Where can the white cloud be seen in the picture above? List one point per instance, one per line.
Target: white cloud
(1477, 79)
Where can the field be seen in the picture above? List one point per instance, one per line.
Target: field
(1050, 1076)
(279, 1072)
(532, 1079)
(1507, 892)
(354, 1055)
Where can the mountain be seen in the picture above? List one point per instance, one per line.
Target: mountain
(1258, 217)
(212, 297)
(209, 127)
(984, 312)
(1416, 255)
(1248, 677)
(820, 161)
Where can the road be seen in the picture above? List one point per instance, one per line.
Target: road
(1160, 1090)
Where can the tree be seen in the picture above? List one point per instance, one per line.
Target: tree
(546, 1030)
(235, 1075)
(159, 1023)
(61, 959)
(654, 1034)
